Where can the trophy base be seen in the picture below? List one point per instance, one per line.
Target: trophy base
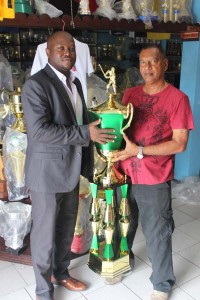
(108, 269)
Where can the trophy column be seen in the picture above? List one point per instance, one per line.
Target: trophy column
(103, 258)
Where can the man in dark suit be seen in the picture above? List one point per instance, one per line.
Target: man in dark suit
(60, 149)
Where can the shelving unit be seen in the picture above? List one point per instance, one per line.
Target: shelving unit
(91, 23)
(95, 31)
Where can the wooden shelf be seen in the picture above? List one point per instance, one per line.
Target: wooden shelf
(91, 23)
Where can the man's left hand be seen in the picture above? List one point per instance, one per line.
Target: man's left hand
(130, 150)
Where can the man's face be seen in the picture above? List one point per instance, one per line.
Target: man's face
(61, 52)
(152, 65)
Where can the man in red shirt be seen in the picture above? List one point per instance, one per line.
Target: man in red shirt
(159, 130)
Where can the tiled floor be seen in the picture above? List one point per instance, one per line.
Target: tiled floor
(17, 281)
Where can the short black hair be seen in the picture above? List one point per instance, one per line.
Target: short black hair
(156, 46)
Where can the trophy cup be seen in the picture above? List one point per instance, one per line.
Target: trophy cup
(112, 115)
(84, 8)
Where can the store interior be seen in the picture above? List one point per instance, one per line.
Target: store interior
(114, 40)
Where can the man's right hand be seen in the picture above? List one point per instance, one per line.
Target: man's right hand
(99, 135)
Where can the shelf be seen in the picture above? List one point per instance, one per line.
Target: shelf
(91, 23)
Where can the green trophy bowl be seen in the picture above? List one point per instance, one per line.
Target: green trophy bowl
(117, 116)
(113, 115)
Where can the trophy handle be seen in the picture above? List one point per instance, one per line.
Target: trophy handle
(130, 114)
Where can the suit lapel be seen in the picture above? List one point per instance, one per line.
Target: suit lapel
(61, 89)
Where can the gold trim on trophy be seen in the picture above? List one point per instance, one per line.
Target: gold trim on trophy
(15, 103)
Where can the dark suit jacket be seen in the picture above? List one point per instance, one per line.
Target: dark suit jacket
(58, 149)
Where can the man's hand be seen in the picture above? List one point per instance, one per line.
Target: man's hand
(101, 136)
(130, 150)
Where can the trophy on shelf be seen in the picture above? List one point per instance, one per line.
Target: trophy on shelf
(108, 257)
(14, 100)
(15, 143)
(112, 115)
(84, 8)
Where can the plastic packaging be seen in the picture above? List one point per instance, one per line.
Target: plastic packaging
(6, 80)
(96, 90)
(43, 7)
(124, 10)
(175, 11)
(145, 10)
(17, 223)
(83, 231)
(187, 190)
(14, 153)
(105, 9)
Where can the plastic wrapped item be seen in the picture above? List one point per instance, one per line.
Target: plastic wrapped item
(185, 14)
(175, 11)
(84, 8)
(83, 231)
(144, 9)
(6, 80)
(14, 153)
(105, 9)
(2, 218)
(164, 10)
(96, 90)
(124, 10)
(17, 220)
(132, 77)
(187, 190)
(43, 7)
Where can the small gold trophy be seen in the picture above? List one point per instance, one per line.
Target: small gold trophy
(112, 115)
(15, 103)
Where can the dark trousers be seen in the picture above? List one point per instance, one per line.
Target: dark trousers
(154, 203)
(54, 220)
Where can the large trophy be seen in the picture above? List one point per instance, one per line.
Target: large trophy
(107, 258)
(112, 115)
